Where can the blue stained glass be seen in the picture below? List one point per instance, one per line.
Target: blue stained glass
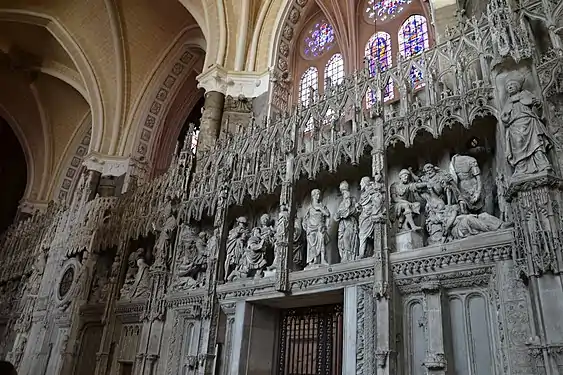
(385, 9)
(320, 39)
(413, 39)
(378, 49)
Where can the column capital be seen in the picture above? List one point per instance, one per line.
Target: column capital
(233, 83)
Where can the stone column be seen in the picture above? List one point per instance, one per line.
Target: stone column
(211, 119)
(435, 361)
(385, 352)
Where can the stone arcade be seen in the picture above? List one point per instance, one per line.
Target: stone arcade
(422, 236)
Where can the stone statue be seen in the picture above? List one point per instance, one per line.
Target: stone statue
(315, 224)
(527, 139)
(403, 201)
(37, 270)
(371, 207)
(438, 193)
(253, 261)
(281, 232)
(459, 225)
(137, 281)
(192, 265)
(162, 247)
(467, 179)
(347, 225)
(236, 242)
(267, 232)
(101, 287)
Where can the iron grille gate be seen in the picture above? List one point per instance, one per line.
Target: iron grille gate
(311, 341)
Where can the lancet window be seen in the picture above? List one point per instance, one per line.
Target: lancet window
(308, 86)
(334, 71)
(413, 40)
(379, 58)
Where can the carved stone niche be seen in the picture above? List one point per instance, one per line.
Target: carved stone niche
(529, 145)
(101, 281)
(195, 244)
(448, 188)
(249, 249)
(332, 214)
(136, 284)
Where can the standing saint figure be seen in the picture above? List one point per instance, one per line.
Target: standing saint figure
(163, 245)
(315, 224)
(236, 242)
(372, 210)
(527, 139)
(347, 225)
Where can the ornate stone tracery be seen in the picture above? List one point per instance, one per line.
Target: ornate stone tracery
(303, 208)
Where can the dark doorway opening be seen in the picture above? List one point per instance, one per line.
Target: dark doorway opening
(311, 341)
(13, 174)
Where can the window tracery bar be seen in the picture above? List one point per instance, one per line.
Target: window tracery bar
(319, 39)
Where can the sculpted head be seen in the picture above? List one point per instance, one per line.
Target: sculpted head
(344, 188)
(514, 83)
(316, 194)
(242, 221)
(404, 176)
(265, 219)
(364, 182)
(429, 170)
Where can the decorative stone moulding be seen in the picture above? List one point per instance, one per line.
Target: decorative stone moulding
(236, 84)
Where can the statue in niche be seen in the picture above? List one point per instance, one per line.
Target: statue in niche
(371, 207)
(527, 138)
(162, 247)
(100, 289)
(315, 224)
(137, 281)
(193, 265)
(236, 242)
(403, 200)
(467, 179)
(347, 225)
(282, 229)
(267, 232)
(459, 225)
(438, 193)
(37, 270)
(298, 244)
(253, 261)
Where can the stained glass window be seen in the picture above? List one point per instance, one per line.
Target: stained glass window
(378, 50)
(319, 39)
(413, 39)
(334, 71)
(384, 10)
(308, 86)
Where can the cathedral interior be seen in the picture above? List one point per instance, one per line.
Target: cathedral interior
(281, 187)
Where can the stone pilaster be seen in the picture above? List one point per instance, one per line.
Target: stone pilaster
(435, 361)
(538, 252)
(210, 310)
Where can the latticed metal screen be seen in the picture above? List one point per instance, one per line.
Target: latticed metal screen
(311, 341)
